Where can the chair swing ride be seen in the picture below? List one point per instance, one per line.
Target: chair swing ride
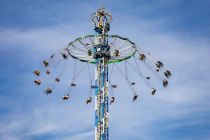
(102, 50)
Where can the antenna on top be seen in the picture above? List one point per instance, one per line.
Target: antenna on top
(101, 4)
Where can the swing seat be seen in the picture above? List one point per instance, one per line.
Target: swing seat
(47, 72)
(57, 80)
(133, 83)
(37, 82)
(73, 84)
(93, 86)
(64, 56)
(114, 86)
(65, 97)
(37, 72)
(46, 64)
(148, 78)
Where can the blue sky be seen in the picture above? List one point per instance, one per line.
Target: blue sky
(174, 31)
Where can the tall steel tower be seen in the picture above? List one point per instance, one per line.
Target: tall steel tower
(106, 51)
(102, 21)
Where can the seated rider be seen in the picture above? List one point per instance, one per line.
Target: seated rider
(112, 99)
(153, 91)
(65, 97)
(73, 84)
(148, 78)
(37, 72)
(167, 73)
(48, 91)
(133, 83)
(114, 86)
(47, 72)
(88, 100)
(165, 83)
(159, 64)
(51, 57)
(142, 57)
(93, 86)
(45, 63)
(57, 79)
(37, 82)
(64, 56)
(135, 97)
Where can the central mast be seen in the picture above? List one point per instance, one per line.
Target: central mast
(101, 50)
